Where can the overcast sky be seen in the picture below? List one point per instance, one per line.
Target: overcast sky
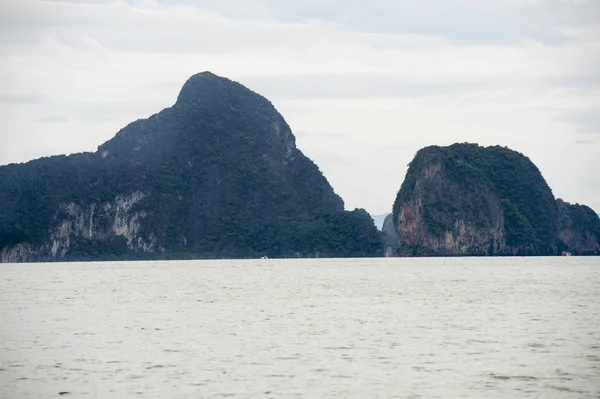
(363, 84)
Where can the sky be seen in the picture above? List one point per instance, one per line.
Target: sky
(363, 85)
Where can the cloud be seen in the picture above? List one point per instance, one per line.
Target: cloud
(582, 142)
(363, 86)
(593, 183)
(465, 22)
(22, 98)
(321, 135)
(52, 119)
(585, 120)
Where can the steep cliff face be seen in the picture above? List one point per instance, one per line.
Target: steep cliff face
(579, 229)
(111, 227)
(471, 200)
(218, 174)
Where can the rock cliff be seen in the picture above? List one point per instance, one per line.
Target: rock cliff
(216, 175)
(465, 200)
(579, 229)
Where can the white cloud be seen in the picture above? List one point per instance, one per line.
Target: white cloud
(365, 96)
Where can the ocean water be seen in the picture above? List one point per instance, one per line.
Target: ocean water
(312, 328)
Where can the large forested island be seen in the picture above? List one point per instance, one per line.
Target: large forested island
(218, 175)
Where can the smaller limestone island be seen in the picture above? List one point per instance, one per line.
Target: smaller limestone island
(468, 200)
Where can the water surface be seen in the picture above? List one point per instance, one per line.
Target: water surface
(371, 328)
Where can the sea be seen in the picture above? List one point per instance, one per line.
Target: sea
(303, 328)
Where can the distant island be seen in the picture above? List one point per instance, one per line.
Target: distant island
(468, 200)
(218, 175)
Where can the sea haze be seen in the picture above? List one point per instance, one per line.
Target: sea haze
(309, 328)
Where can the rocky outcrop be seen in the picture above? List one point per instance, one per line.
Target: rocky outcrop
(92, 226)
(444, 217)
(466, 200)
(21, 252)
(579, 229)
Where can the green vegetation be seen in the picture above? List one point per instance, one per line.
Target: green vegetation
(476, 183)
(519, 183)
(220, 176)
(579, 229)
(518, 228)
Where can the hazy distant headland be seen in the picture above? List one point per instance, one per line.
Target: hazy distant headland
(218, 175)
